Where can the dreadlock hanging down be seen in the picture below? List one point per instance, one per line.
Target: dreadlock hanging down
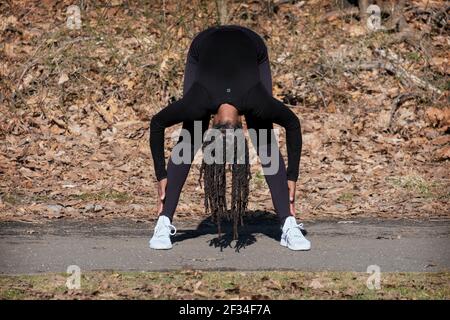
(229, 149)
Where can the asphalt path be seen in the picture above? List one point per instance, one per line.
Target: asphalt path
(395, 245)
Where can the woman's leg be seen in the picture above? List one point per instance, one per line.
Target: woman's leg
(277, 182)
(276, 178)
(177, 173)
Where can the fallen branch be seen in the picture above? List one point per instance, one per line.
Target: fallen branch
(373, 65)
(394, 67)
(368, 66)
(398, 101)
(395, 63)
(440, 17)
(339, 14)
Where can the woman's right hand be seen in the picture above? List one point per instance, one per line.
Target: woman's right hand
(162, 184)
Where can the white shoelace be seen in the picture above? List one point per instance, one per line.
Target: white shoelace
(160, 230)
(172, 228)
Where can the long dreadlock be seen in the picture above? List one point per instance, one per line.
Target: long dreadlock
(214, 177)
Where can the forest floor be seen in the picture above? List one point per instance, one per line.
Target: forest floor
(75, 108)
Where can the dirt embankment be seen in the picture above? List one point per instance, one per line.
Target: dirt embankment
(75, 106)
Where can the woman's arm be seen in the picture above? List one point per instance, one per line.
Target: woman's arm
(167, 117)
(262, 105)
(284, 116)
(193, 106)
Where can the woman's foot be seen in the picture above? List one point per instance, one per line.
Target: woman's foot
(162, 233)
(292, 236)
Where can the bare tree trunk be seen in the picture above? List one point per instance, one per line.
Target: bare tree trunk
(363, 4)
(222, 11)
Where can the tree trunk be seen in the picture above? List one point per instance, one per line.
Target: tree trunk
(363, 4)
(222, 11)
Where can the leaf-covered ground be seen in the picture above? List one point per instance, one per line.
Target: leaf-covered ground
(228, 285)
(75, 108)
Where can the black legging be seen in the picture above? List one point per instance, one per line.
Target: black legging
(177, 173)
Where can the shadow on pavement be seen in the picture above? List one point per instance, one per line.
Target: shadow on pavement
(255, 222)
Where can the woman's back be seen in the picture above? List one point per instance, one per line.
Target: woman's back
(227, 62)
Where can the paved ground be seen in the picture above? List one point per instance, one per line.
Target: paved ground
(339, 246)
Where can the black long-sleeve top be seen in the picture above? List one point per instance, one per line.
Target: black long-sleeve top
(227, 66)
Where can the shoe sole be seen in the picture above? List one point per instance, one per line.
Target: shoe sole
(159, 247)
(283, 243)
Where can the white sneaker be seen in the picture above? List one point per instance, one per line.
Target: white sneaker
(292, 236)
(161, 236)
